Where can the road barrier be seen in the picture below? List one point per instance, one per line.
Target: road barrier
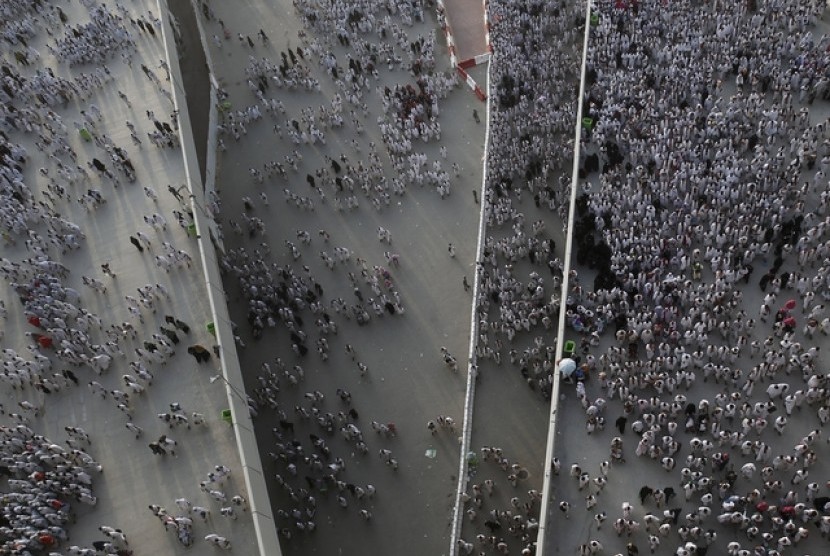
(254, 478)
(445, 25)
(475, 61)
(472, 370)
(547, 490)
(471, 83)
(444, 21)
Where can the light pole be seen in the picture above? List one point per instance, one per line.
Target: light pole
(241, 395)
(236, 391)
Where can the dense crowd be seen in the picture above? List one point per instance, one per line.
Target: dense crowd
(703, 173)
(532, 113)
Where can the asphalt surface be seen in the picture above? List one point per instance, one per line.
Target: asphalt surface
(466, 19)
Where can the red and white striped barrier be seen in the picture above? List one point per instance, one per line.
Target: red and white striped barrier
(442, 16)
(471, 62)
(475, 61)
(471, 83)
(487, 27)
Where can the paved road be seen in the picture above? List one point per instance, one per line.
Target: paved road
(407, 382)
(132, 478)
(466, 18)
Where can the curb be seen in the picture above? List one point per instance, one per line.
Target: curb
(445, 25)
(264, 524)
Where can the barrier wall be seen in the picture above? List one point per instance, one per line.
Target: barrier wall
(254, 478)
(213, 121)
(544, 512)
(445, 25)
(465, 64)
(472, 370)
(210, 163)
(474, 61)
(471, 83)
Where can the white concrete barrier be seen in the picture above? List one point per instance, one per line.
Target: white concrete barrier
(213, 122)
(442, 14)
(544, 512)
(254, 478)
(472, 370)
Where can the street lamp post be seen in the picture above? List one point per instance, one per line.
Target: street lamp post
(241, 395)
(233, 388)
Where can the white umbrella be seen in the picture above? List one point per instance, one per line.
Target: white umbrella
(567, 366)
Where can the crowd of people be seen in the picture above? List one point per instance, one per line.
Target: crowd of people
(730, 185)
(72, 350)
(533, 68)
(311, 467)
(703, 173)
(290, 295)
(181, 522)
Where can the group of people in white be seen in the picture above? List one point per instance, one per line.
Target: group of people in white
(718, 116)
(376, 40)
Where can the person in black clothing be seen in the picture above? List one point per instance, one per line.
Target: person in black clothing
(177, 323)
(200, 353)
(765, 280)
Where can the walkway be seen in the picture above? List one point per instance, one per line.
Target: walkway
(466, 18)
(133, 477)
(407, 381)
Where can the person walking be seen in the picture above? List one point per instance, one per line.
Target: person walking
(134, 241)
